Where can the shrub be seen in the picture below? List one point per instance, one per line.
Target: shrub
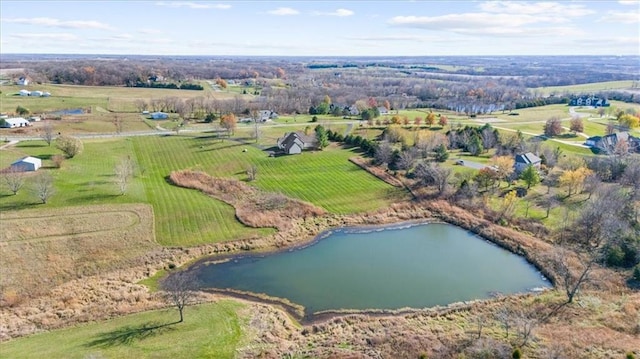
(516, 353)
(57, 160)
(70, 146)
(636, 272)
(630, 355)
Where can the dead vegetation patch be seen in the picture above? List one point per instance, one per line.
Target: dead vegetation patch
(254, 208)
(41, 249)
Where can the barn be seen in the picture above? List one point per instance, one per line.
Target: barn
(15, 122)
(27, 164)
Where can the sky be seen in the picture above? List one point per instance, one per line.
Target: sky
(321, 28)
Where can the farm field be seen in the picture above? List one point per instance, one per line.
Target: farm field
(590, 87)
(114, 98)
(212, 330)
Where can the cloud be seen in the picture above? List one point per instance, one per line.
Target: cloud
(66, 37)
(283, 11)
(626, 17)
(395, 38)
(150, 31)
(51, 22)
(629, 2)
(536, 8)
(339, 13)
(193, 5)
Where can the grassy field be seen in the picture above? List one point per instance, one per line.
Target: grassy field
(115, 98)
(188, 217)
(209, 331)
(583, 88)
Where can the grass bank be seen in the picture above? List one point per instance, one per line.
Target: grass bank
(211, 330)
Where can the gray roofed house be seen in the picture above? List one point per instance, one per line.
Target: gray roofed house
(609, 142)
(523, 161)
(294, 142)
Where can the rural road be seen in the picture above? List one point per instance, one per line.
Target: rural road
(158, 132)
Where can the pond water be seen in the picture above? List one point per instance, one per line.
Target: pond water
(71, 111)
(413, 266)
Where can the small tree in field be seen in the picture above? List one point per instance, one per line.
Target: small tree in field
(443, 121)
(179, 290)
(70, 146)
(14, 179)
(22, 111)
(47, 133)
(43, 187)
(530, 176)
(576, 125)
(229, 123)
(252, 172)
(124, 172)
(553, 127)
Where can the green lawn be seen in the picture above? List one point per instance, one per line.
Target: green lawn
(188, 217)
(209, 331)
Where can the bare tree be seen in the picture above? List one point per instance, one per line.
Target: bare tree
(47, 133)
(117, 122)
(141, 105)
(124, 172)
(433, 174)
(252, 172)
(384, 153)
(14, 178)
(43, 186)
(407, 158)
(180, 290)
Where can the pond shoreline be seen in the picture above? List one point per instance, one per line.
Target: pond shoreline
(298, 311)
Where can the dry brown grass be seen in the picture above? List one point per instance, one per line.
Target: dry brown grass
(40, 249)
(254, 207)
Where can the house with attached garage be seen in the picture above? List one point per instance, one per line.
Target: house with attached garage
(608, 143)
(294, 142)
(525, 160)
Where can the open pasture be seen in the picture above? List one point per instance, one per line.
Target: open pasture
(586, 88)
(113, 98)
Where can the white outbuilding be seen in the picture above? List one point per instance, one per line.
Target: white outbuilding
(15, 122)
(27, 164)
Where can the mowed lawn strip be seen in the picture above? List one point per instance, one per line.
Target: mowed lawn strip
(184, 216)
(209, 331)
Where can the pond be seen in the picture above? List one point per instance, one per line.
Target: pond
(413, 266)
(71, 111)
